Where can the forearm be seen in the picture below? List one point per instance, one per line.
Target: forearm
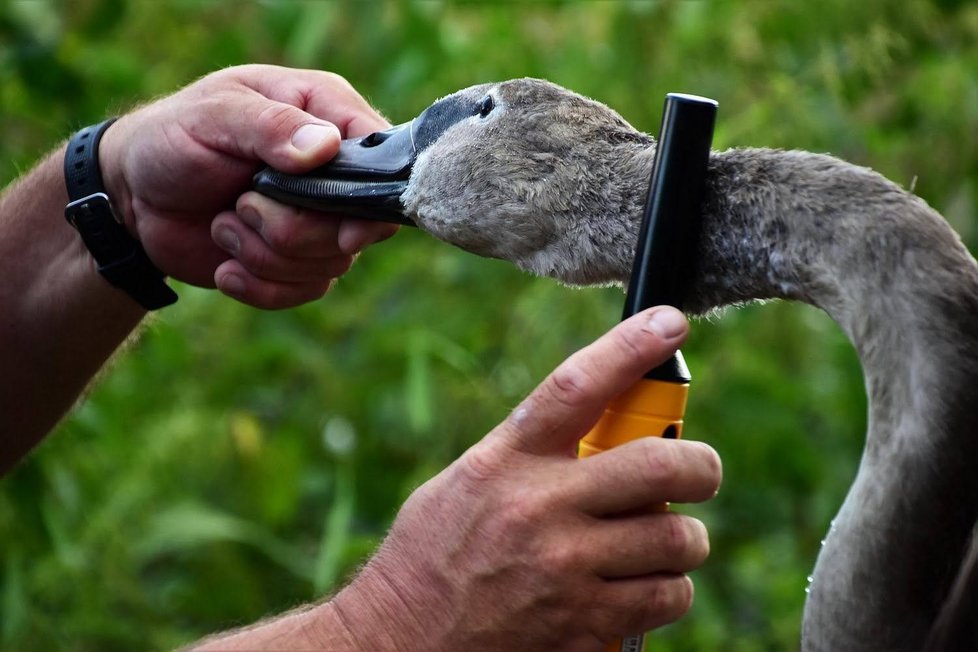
(316, 627)
(59, 320)
(369, 614)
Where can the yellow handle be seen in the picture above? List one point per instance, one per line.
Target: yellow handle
(651, 408)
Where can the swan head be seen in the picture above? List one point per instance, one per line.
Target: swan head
(543, 180)
(522, 170)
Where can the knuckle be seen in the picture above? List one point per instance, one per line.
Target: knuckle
(338, 80)
(662, 599)
(569, 385)
(258, 260)
(275, 118)
(676, 535)
(480, 464)
(629, 342)
(659, 598)
(562, 559)
(513, 525)
(281, 237)
(517, 515)
(685, 540)
(668, 599)
(661, 464)
(521, 511)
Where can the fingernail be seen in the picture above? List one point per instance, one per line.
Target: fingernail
(232, 284)
(227, 240)
(308, 137)
(667, 323)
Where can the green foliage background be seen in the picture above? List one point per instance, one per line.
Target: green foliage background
(234, 463)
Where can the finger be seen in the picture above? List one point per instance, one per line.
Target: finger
(644, 472)
(299, 232)
(569, 401)
(319, 92)
(356, 235)
(286, 137)
(234, 280)
(260, 260)
(630, 606)
(289, 230)
(646, 544)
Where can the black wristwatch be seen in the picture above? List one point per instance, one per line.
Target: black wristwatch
(120, 258)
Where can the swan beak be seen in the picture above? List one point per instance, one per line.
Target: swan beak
(365, 180)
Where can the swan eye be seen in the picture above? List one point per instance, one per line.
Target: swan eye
(486, 106)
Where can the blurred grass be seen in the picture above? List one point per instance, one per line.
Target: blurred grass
(235, 463)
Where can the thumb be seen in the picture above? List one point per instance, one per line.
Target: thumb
(286, 137)
(571, 399)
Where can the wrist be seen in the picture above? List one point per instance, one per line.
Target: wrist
(327, 629)
(121, 259)
(377, 615)
(112, 159)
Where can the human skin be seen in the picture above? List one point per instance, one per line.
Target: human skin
(178, 172)
(519, 545)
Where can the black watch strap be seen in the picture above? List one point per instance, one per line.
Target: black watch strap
(120, 258)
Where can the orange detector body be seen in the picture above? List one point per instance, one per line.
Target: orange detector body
(665, 259)
(649, 408)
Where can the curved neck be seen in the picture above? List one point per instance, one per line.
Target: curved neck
(895, 277)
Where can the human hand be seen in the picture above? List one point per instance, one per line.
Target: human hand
(519, 545)
(179, 171)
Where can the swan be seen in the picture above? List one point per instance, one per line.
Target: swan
(532, 173)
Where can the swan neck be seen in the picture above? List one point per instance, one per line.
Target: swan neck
(896, 278)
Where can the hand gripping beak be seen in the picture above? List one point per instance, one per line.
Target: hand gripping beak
(364, 180)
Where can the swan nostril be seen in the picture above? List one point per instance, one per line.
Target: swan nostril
(374, 139)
